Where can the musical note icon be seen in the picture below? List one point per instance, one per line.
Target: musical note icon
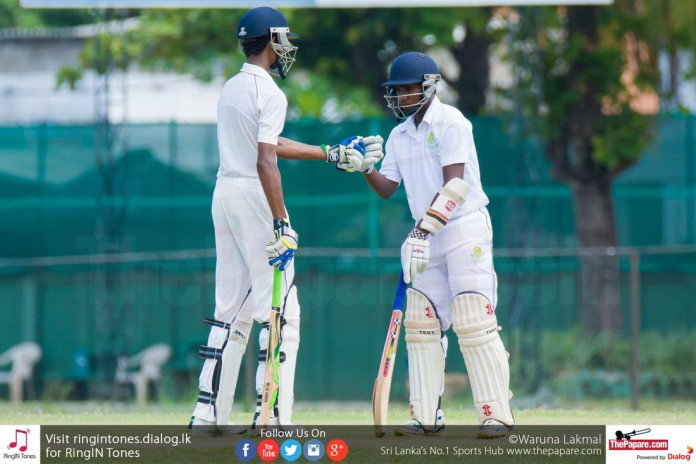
(14, 443)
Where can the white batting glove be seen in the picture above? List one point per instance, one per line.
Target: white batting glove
(373, 153)
(354, 160)
(415, 253)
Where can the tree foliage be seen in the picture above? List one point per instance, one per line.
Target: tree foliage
(596, 73)
(596, 65)
(12, 15)
(344, 53)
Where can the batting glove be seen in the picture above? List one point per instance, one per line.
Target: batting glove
(415, 253)
(282, 250)
(342, 153)
(373, 153)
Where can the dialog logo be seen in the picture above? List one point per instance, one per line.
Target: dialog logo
(291, 450)
(246, 450)
(680, 456)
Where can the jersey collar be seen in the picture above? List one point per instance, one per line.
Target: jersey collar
(430, 114)
(433, 110)
(409, 126)
(256, 70)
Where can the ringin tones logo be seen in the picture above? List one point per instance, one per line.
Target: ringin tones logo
(20, 443)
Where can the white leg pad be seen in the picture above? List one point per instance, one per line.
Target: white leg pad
(218, 380)
(476, 326)
(426, 360)
(289, 344)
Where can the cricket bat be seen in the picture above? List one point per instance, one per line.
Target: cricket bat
(380, 394)
(271, 379)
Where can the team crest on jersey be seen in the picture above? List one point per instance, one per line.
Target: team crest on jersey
(477, 254)
(431, 141)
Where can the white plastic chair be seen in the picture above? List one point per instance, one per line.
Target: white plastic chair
(150, 362)
(23, 358)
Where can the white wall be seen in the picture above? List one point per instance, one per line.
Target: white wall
(28, 94)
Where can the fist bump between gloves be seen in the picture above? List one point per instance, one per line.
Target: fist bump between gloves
(355, 153)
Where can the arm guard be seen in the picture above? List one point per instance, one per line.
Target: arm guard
(448, 199)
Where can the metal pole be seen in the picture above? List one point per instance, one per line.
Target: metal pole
(635, 329)
(690, 175)
(373, 229)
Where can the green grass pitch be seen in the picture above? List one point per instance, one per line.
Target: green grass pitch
(336, 413)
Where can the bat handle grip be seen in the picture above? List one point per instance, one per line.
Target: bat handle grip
(400, 293)
(277, 287)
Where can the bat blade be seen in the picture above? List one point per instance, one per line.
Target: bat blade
(380, 394)
(382, 388)
(271, 380)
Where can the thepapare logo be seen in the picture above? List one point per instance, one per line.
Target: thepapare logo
(638, 445)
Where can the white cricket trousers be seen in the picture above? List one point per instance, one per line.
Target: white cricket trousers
(243, 227)
(461, 260)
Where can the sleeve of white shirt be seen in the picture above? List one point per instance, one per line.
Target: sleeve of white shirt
(272, 118)
(389, 168)
(456, 142)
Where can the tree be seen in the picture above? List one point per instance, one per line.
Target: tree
(675, 37)
(472, 56)
(596, 68)
(344, 53)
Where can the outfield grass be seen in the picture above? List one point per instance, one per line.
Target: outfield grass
(350, 413)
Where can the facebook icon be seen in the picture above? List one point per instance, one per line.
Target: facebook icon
(246, 450)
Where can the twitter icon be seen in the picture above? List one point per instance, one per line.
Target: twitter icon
(291, 450)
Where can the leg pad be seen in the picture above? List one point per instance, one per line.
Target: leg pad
(476, 326)
(426, 360)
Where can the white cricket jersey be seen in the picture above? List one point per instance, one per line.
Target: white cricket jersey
(251, 109)
(417, 155)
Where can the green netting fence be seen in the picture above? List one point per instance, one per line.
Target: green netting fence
(53, 203)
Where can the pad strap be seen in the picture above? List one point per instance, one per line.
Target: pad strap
(214, 323)
(207, 398)
(450, 197)
(209, 352)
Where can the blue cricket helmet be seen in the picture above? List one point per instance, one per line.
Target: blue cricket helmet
(258, 22)
(265, 21)
(410, 68)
